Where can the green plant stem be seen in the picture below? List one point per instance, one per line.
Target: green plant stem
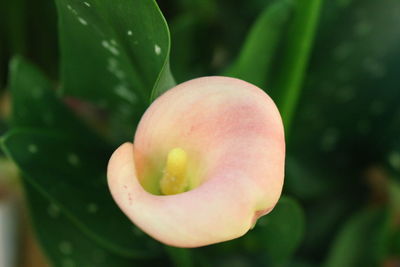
(180, 257)
(301, 36)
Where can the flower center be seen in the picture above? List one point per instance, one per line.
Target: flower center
(174, 180)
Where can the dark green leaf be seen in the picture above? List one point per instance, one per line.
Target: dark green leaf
(361, 241)
(35, 104)
(396, 243)
(278, 234)
(394, 197)
(71, 173)
(324, 216)
(114, 54)
(298, 47)
(66, 163)
(394, 200)
(393, 161)
(255, 59)
(63, 242)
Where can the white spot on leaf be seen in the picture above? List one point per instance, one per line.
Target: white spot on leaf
(73, 11)
(73, 159)
(157, 49)
(105, 44)
(329, 139)
(32, 148)
(82, 21)
(114, 68)
(394, 160)
(53, 210)
(68, 263)
(65, 247)
(92, 208)
(87, 4)
(129, 33)
(125, 93)
(110, 47)
(362, 28)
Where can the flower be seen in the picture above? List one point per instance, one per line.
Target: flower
(207, 161)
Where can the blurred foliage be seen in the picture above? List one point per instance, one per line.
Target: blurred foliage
(40, 131)
(261, 45)
(28, 28)
(342, 191)
(279, 239)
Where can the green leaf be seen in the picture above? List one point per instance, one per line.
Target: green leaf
(393, 161)
(296, 57)
(114, 54)
(30, 89)
(278, 234)
(66, 163)
(394, 200)
(394, 197)
(63, 242)
(323, 218)
(362, 240)
(255, 60)
(396, 243)
(64, 170)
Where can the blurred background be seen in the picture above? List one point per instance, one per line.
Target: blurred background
(343, 158)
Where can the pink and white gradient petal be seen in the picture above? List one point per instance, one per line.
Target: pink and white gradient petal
(233, 133)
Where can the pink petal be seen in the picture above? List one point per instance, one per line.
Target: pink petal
(233, 133)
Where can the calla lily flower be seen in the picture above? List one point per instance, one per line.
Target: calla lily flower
(206, 162)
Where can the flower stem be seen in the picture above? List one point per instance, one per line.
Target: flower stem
(180, 257)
